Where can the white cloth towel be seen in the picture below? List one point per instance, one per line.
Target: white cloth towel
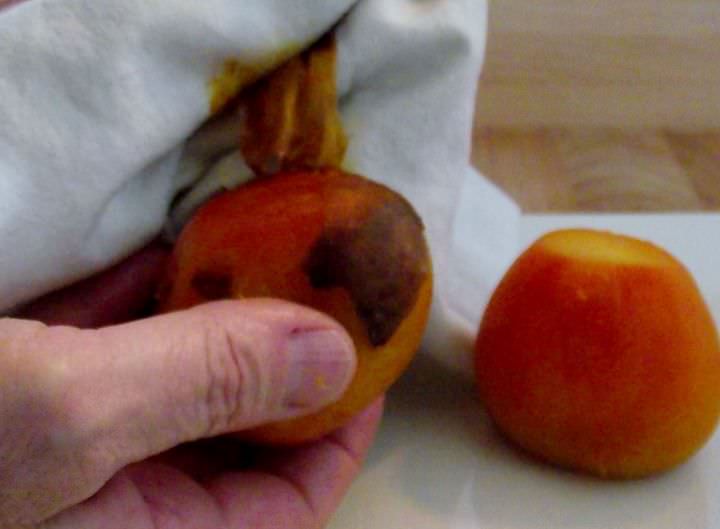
(99, 97)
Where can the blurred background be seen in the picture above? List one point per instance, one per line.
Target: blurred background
(602, 106)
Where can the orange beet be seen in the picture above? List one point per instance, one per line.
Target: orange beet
(336, 242)
(598, 353)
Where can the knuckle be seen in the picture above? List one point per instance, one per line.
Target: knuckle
(235, 379)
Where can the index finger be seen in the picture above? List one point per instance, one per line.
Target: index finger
(300, 487)
(116, 295)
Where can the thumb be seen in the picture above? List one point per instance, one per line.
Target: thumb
(137, 389)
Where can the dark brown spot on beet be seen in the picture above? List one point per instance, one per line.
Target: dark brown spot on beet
(212, 285)
(381, 262)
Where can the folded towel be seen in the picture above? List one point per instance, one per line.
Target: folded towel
(98, 99)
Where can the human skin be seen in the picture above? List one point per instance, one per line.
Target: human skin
(8, 3)
(105, 425)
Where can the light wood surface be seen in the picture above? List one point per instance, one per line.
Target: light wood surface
(602, 106)
(590, 169)
(621, 63)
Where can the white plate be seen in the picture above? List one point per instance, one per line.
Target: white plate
(438, 464)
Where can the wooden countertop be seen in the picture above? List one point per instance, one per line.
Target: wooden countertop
(591, 169)
(577, 97)
(641, 63)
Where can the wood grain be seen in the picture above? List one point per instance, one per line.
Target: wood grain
(699, 155)
(580, 63)
(602, 106)
(603, 170)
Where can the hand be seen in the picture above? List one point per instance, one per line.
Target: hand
(106, 425)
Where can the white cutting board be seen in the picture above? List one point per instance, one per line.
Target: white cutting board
(438, 464)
